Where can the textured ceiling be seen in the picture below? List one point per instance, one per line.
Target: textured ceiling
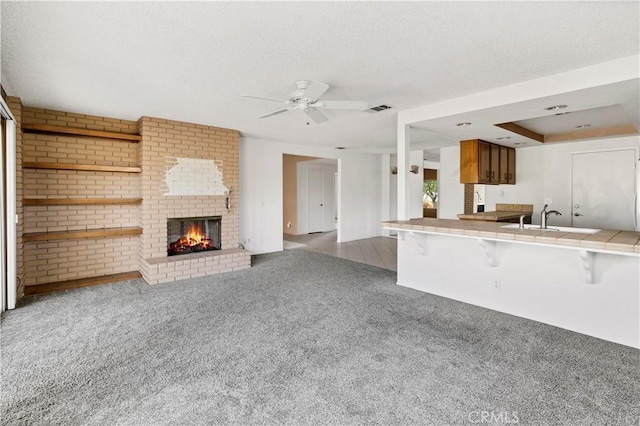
(192, 61)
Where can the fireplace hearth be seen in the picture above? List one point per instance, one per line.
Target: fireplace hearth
(193, 235)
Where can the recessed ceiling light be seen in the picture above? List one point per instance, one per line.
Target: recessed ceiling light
(501, 138)
(463, 124)
(519, 143)
(581, 126)
(555, 107)
(563, 113)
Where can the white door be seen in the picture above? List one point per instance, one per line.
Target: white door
(604, 189)
(316, 200)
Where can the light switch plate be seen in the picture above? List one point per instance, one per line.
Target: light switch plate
(548, 201)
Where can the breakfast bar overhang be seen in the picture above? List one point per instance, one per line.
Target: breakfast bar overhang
(587, 283)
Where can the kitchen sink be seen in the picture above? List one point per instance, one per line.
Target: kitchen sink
(552, 228)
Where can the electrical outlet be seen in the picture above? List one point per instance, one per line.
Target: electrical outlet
(548, 201)
(497, 285)
(501, 194)
(288, 224)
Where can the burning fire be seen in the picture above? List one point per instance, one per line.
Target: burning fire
(194, 238)
(193, 241)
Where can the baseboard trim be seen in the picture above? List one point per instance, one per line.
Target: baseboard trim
(81, 282)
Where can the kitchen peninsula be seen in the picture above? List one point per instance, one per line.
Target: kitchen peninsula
(584, 282)
(502, 213)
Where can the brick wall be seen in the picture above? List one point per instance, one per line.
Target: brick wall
(162, 142)
(53, 261)
(469, 192)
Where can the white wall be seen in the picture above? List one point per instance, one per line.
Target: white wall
(359, 196)
(261, 192)
(544, 171)
(450, 190)
(303, 168)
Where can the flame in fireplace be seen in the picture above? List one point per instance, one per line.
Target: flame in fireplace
(192, 241)
(193, 237)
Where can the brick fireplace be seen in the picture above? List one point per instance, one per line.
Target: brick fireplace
(99, 207)
(188, 171)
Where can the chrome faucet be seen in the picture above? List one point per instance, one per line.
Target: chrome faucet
(544, 215)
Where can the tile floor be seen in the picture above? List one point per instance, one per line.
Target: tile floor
(379, 251)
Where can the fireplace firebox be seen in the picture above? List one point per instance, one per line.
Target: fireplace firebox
(193, 234)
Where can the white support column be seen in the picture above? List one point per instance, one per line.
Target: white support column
(12, 217)
(10, 251)
(404, 196)
(385, 190)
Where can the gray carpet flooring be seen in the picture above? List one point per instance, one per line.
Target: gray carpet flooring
(300, 338)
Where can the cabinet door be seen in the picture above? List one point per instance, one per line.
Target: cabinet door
(484, 162)
(469, 161)
(494, 164)
(504, 165)
(511, 166)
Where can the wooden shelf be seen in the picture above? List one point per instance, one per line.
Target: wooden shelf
(86, 167)
(81, 282)
(74, 235)
(79, 201)
(46, 128)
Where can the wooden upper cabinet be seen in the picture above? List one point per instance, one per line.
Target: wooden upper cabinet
(511, 166)
(504, 157)
(484, 162)
(475, 156)
(494, 177)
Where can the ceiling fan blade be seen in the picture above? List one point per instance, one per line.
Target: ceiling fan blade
(263, 98)
(341, 105)
(316, 115)
(315, 89)
(276, 112)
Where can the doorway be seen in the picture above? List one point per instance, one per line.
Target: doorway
(604, 185)
(315, 201)
(309, 195)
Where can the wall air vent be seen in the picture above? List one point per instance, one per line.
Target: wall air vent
(378, 108)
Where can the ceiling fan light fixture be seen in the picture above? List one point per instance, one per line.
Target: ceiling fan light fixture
(305, 98)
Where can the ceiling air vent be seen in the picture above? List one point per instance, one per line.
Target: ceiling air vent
(378, 108)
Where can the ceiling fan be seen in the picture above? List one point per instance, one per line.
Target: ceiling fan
(306, 99)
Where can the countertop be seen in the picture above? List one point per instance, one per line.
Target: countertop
(494, 216)
(606, 240)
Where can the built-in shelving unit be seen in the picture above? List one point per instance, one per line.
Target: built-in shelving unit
(81, 282)
(71, 200)
(88, 233)
(85, 167)
(79, 201)
(47, 128)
